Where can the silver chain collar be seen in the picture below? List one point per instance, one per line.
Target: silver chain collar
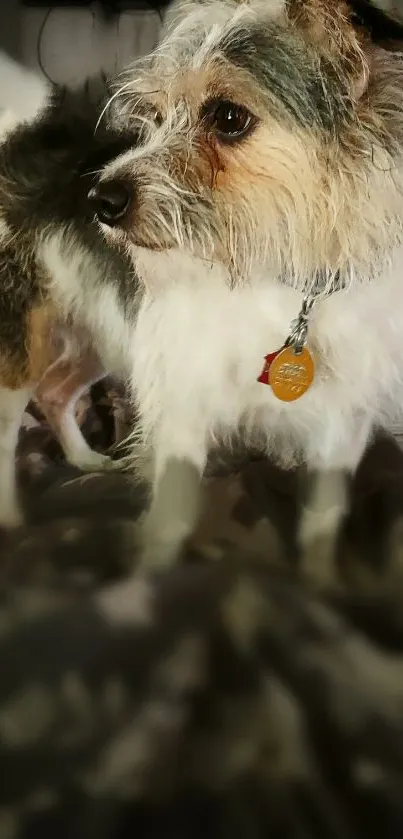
(299, 326)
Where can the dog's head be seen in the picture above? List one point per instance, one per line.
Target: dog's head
(272, 132)
(48, 164)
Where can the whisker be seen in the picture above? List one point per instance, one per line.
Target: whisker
(109, 103)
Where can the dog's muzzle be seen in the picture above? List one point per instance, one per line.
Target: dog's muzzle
(111, 201)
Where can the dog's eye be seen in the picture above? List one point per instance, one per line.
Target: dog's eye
(229, 121)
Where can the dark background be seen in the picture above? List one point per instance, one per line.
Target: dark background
(67, 40)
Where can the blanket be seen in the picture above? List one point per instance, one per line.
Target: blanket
(232, 695)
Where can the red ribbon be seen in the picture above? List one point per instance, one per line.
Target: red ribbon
(264, 376)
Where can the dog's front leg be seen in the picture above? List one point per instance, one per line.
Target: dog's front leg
(58, 392)
(331, 466)
(324, 503)
(12, 405)
(175, 507)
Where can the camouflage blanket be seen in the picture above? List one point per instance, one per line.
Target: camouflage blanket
(228, 696)
(249, 503)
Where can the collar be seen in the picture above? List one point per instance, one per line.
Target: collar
(324, 285)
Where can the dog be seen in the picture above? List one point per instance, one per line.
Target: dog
(262, 207)
(47, 165)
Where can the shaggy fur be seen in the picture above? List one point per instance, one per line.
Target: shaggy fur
(47, 167)
(229, 230)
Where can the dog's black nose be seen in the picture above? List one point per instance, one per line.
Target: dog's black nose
(111, 201)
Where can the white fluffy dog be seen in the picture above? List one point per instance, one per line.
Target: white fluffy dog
(263, 209)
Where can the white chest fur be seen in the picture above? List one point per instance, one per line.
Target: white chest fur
(80, 289)
(199, 347)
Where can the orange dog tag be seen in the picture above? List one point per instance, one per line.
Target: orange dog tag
(291, 374)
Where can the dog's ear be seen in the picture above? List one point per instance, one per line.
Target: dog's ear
(380, 20)
(349, 32)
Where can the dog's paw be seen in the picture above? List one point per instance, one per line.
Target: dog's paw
(317, 525)
(161, 547)
(318, 542)
(93, 461)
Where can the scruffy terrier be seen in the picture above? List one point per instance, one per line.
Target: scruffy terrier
(47, 166)
(263, 210)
